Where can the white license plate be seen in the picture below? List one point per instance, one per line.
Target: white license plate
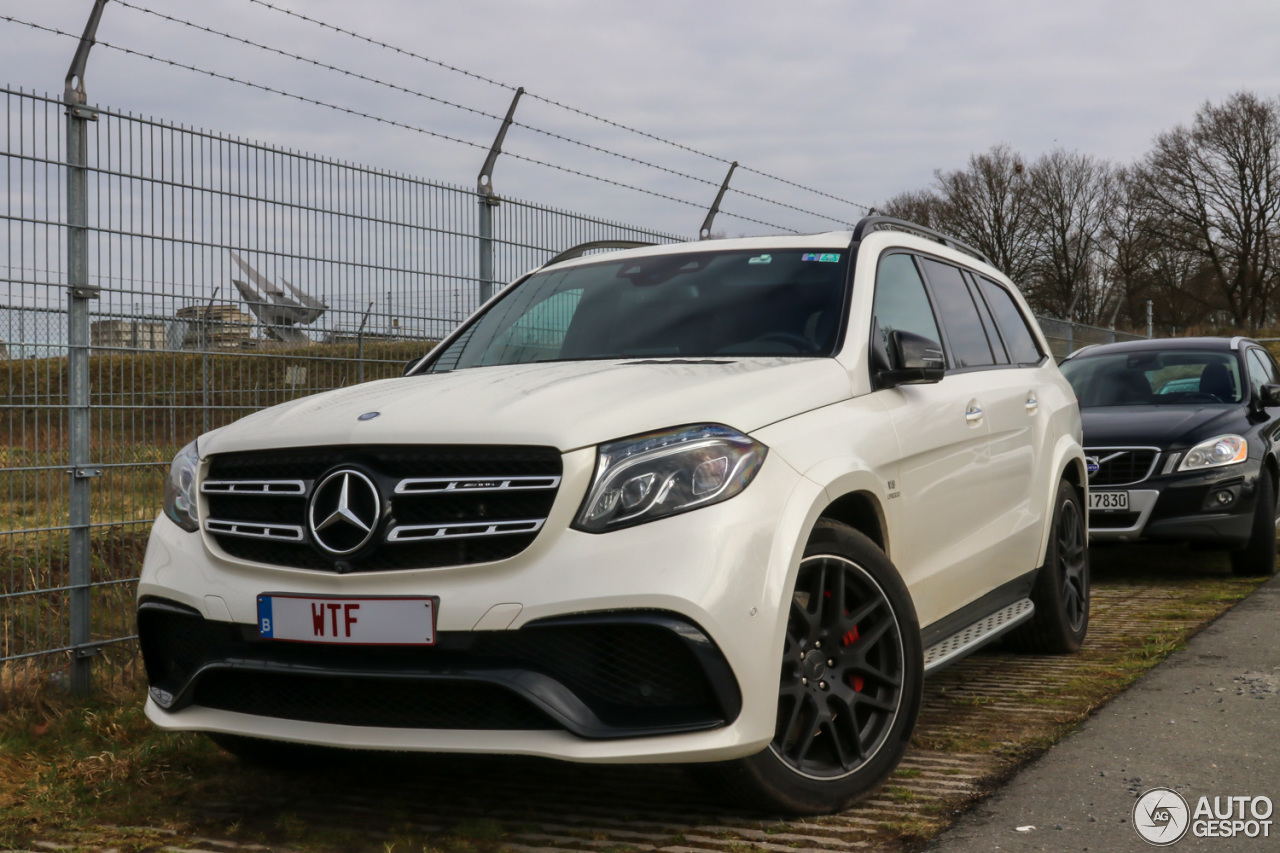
(1109, 501)
(353, 621)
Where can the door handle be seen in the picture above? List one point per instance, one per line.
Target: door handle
(974, 413)
(1032, 403)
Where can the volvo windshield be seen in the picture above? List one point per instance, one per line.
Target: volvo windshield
(1151, 378)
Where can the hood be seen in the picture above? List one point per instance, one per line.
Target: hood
(1159, 426)
(566, 405)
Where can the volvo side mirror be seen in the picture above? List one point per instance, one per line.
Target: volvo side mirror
(1269, 396)
(913, 360)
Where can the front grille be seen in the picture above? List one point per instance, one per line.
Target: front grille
(442, 505)
(635, 672)
(1121, 466)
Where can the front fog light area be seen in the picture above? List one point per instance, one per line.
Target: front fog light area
(180, 489)
(663, 473)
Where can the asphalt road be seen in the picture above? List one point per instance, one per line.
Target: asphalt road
(1205, 723)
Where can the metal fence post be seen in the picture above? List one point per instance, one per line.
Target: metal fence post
(79, 295)
(360, 341)
(488, 201)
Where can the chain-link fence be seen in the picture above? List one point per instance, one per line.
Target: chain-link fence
(230, 276)
(220, 276)
(1066, 337)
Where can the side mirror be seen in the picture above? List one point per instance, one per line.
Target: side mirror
(411, 364)
(1269, 396)
(913, 360)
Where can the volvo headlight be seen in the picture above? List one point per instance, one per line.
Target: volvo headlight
(180, 489)
(658, 474)
(1223, 450)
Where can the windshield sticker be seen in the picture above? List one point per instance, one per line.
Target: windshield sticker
(823, 259)
(761, 259)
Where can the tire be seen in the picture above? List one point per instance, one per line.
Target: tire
(850, 688)
(1258, 557)
(278, 755)
(1061, 591)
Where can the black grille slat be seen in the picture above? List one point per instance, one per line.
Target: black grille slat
(1131, 466)
(387, 466)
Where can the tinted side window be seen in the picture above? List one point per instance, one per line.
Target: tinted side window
(968, 340)
(901, 301)
(1013, 326)
(988, 324)
(1260, 371)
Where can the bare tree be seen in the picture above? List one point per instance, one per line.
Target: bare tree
(1069, 200)
(919, 206)
(986, 205)
(1213, 190)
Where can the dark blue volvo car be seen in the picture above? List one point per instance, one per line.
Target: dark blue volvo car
(1180, 441)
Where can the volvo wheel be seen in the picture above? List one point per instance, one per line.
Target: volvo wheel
(850, 681)
(1258, 557)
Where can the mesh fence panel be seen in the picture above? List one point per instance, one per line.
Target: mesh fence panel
(234, 276)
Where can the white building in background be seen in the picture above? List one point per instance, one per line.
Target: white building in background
(127, 334)
(216, 327)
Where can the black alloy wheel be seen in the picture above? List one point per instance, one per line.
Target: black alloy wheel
(1061, 591)
(842, 670)
(850, 684)
(1073, 563)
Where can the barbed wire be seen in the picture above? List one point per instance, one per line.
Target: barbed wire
(473, 110)
(561, 105)
(383, 120)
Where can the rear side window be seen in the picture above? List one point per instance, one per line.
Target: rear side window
(1013, 326)
(988, 323)
(967, 338)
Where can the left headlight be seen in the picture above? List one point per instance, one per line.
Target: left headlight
(658, 474)
(180, 489)
(1223, 450)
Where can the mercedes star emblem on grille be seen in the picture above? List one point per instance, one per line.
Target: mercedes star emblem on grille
(344, 512)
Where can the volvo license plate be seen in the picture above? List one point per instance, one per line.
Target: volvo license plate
(349, 621)
(1109, 501)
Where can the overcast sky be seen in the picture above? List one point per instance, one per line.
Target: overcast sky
(860, 100)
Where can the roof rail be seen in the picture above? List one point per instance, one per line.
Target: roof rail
(582, 248)
(889, 223)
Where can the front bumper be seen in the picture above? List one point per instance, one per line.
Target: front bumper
(1184, 508)
(703, 587)
(609, 675)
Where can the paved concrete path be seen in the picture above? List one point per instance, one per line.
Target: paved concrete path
(1206, 722)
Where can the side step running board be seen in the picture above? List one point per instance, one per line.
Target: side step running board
(979, 633)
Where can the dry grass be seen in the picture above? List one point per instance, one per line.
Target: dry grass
(68, 771)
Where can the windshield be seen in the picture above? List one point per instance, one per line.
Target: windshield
(687, 305)
(1154, 378)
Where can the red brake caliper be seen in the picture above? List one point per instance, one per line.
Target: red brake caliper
(850, 637)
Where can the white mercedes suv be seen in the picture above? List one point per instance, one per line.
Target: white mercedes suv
(723, 503)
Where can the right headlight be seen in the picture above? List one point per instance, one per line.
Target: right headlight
(180, 489)
(663, 473)
(1223, 450)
